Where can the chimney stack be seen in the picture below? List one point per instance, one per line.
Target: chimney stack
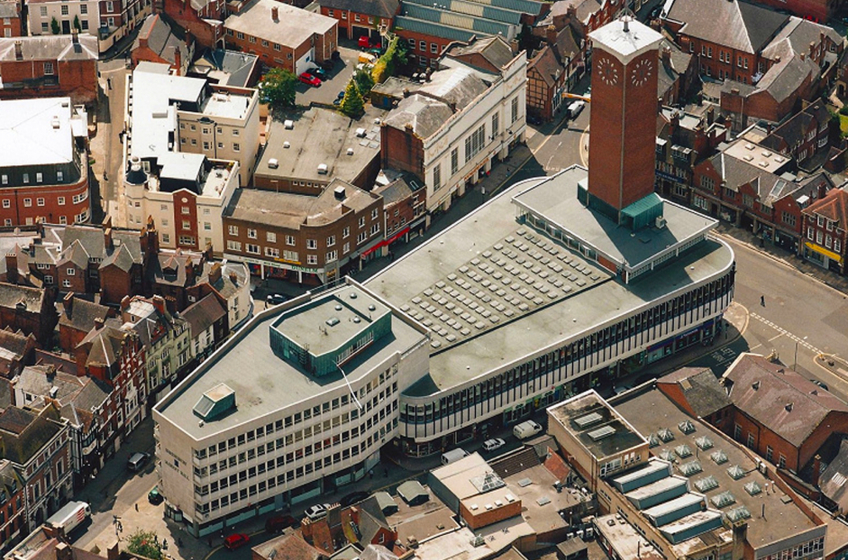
(551, 34)
(98, 323)
(666, 56)
(234, 278)
(75, 36)
(11, 268)
(275, 13)
(64, 552)
(107, 238)
(178, 60)
(812, 50)
(215, 273)
(19, 50)
(159, 304)
(68, 303)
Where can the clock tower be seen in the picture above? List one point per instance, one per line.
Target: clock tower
(623, 119)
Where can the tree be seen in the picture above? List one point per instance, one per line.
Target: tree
(145, 543)
(352, 104)
(364, 82)
(277, 88)
(54, 26)
(393, 59)
(77, 25)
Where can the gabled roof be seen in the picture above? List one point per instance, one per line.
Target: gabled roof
(791, 132)
(495, 50)
(834, 207)
(162, 40)
(782, 400)
(700, 388)
(288, 547)
(11, 295)
(74, 253)
(24, 433)
(584, 9)
(731, 23)
(45, 381)
(16, 343)
(50, 47)
(82, 313)
(546, 64)
(832, 480)
(203, 314)
(379, 8)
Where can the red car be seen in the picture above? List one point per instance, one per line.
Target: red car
(236, 540)
(309, 79)
(366, 43)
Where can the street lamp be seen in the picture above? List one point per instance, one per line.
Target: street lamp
(795, 366)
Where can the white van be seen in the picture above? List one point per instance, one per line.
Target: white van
(526, 429)
(453, 455)
(575, 108)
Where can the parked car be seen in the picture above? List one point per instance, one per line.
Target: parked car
(526, 429)
(493, 444)
(367, 43)
(820, 384)
(279, 523)
(319, 73)
(317, 511)
(353, 497)
(137, 461)
(236, 540)
(154, 497)
(309, 79)
(576, 108)
(276, 299)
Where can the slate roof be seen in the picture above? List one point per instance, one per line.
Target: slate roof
(731, 23)
(9, 10)
(23, 433)
(288, 547)
(93, 241)
(82, 314)
(74, 253)
(380, 8)
(832, 480)
(203, 314)
(162, 39)
(584, 8)
(701, 389)
(425, 114)
(40, 380)
(546, 64)
(377, 552)
(14, 342)
(238, 66)
(11, 295)
(169, 267)
(791, 132)
(834, 207)
(225, 286)
(800, 33)
(50, 47)
(784, 401)
(786, 77)
(494, 49)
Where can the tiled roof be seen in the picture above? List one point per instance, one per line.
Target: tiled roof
(82, 313)
(834, 207)
(162, 39)
(494, 49)
(779, 398)
(546, 64)
(203, 314)
(702, 391)
(379, 8)
(11, 295)
(50, 47)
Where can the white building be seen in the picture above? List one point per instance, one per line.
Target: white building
(108, 20)
(451, 130)
(296, 403)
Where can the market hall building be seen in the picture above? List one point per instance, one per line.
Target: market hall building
(561, 283)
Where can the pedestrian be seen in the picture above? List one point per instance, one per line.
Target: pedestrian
(136, 506)
(763, 301)
(109, 82)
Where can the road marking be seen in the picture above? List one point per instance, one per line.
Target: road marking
(775, 337)
(799, 340)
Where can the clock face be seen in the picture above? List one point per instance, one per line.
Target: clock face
(641, 72)
(608, 72)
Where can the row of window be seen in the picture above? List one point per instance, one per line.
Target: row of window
(208, 130)
(39, 177)
(829, 241)
(208, 145)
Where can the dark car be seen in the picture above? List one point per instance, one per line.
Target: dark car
(280, 523)
(352, 498)
(236, 540)
(154, 497)
(137, 461)
(319, 73)
(276, 299)
(820, 384)
(655, 13)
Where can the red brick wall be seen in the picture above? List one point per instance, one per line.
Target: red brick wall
(71, 282)
(401, 150)
(182, 13)
(51, 211)
(347, 20)
(14, 26)
(324, 47)
(185, 210)
(427, 53)
(482, 517)
(115, 284)
(77, 79)
(817, 10)
(145, 54)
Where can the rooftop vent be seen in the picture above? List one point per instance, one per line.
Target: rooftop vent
(753, 488)
(686, 427)
(683, 451)
(273, 163)
(704, 443)
(601, 433)
(286, 145)
(738, 514)
(215, 402)
(668, 455)
(372, 307)
(690, 468)
(353, 295)
(587, 420)
(755, 385)
(736, 472)
(723, 500)
(322, 169)
(55, 123)
(333, 321)
(288, 124)
(665, 435)
(357, 320)
(653, 440)
(339, 192)
(350, 151)
(706, 484)
(360, 132)
(718, 456)
(788, 407)
(338, 307)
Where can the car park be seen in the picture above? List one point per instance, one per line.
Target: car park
(309, 79)
(353, 498)
(493, 444)
(236, 540)
(317, 511)
(137, 461)
(279, 523)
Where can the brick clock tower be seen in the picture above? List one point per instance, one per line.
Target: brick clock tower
(623, 119)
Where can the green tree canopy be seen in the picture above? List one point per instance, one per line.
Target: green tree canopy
(77, 25)
(364, 82)
(277, 88)
(144, 543)
(54, 26)
(352, 104)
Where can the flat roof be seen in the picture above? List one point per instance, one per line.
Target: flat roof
(227, 104)
(36, 132)
(548, 326)
(330, 322)
(557, 203)
(605, 436)
(321, 136)
(783, 519)
(271, 383)
(292, 28)
(624, 540)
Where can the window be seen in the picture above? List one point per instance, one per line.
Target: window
(820, 221)
(437, 177)
(251, 233)
(828, 241)
(236, 147)
(251, 39)
(82, 196)
(829, 226)
(311, 244)
(207, 226)
(27, 202)
(206, 145)
(43, 11)
(475, 142)
(810, 234)
(362, 221)
(65, 10)
(434, 48)
(330, 13)
(235, 132)
(272, 252)
(422, 46)
(496, 124)
(751, 440)
(232, 230)
(290, 256)
(769, 454)
(271, 237)
(346, 232)
(410, 41)
(290, 240)
(788, 219)
(60, 176)
(251, 248)
(39, 201)
(110, 7)
(356, 17)
(514, 109)
(71, 271)
(709, 52)
(331, 241)
(83, 9)
(374, 214)
(186, 240)
(166, 238)
(48, 66)
(66, 283)
(4, 179)
(331, 256)
(346, 249)
(781, 462)
(454, 161)
(186, 224)
(7, 203)
(26, 178)
(344, 15)
(311, 259)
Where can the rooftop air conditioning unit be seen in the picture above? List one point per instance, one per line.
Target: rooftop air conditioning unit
(288, 124)
(660, 222)
(273, 163)
(322, 169)
(286, 145)
(350, 151)
(360, 132)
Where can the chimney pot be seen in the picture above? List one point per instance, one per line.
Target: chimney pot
(68, 302)
(98, 323)
(275, 13)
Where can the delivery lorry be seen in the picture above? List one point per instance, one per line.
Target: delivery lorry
(70, 517)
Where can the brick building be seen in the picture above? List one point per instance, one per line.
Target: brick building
(44, 166)
(824, 227)
(804, 136)
(29, 310)
(745, 184)
(12, 500)
(780, 414)
(79, 316)
(282, 36)
(361, 18)
(50, 66)
(305, 239)
(18, 350)
(11, 22)
(106, 20)
(819, 11)
(552, 71)
(159, 42)
(36, 443)
(404, 209)
(583, 15)
(201, 18)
